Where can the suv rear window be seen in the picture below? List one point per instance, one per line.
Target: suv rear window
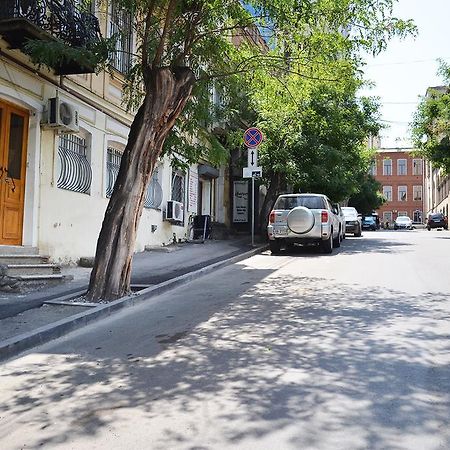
(310, 202)
(437, 216)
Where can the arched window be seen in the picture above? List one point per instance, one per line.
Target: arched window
(153, 196)
(74, 165)
(113, 157)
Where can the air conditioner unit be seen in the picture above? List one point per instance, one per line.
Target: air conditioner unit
(174, 211)
(62, 116)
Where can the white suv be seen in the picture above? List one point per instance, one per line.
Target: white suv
(304, 219)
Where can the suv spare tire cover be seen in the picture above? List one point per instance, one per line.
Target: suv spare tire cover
(300, 220)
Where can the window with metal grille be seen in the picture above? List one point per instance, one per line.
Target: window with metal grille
(74, 171)
(178, 187)
(153, 196)
(121, 29)
(113, 157)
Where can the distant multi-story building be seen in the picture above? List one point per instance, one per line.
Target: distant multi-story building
(436, 182)
(437, 190)
(402, 178)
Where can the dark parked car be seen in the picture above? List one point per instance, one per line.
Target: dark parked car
(437, 220)
(369, 223)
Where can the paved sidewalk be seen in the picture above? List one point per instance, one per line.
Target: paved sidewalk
(149, 268)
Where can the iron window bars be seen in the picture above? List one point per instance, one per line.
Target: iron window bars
(153, 194)
(121, 29)
(75, 173)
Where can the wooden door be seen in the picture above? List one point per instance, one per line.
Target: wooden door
(13, 154)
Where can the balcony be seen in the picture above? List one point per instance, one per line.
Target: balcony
(49, 20)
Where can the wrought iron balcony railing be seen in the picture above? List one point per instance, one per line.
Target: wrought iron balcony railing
(21, 20)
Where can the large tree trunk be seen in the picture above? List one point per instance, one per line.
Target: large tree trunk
(276, 184)
(166, 96)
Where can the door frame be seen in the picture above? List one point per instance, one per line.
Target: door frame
(10, 107)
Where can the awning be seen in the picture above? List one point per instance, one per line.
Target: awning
(207, 171)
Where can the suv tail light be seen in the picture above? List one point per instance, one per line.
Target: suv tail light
(272, 217)
(324, 217)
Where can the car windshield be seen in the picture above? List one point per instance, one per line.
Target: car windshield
(311, 202)
(436, 216)
(369, 219)
(403, 219)
(350, 212)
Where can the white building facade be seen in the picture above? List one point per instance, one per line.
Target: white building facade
(56, 179)
(437, 190)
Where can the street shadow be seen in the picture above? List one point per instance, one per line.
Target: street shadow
(374, 244)
(353, 245)
(320, 360)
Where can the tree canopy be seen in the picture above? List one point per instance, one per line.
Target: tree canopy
(369, 197)
(183, 46)
(431, 124)
(316, 135)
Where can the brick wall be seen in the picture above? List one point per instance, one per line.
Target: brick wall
(404, 181)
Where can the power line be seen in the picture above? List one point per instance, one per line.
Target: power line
(398, 122)
(400, 63)
(399, 103)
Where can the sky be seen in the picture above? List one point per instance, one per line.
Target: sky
(408, 67)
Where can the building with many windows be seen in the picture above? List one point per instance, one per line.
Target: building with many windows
(402, 178)
(437, 190)
(437, 183)
(62, 134)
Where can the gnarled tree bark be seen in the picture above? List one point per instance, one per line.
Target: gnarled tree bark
(168, 91)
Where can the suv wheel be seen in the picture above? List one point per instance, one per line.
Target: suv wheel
(327, 246)
(358, 233)
(275, 247)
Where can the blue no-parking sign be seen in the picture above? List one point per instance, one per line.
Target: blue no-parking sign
(253, 137)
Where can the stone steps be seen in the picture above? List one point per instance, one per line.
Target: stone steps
(23, 259)
(23, 267)
(17, 270)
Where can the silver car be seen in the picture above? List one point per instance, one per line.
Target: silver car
(304, 219)
(353, 223)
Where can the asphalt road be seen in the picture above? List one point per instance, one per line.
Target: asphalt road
(299, 351)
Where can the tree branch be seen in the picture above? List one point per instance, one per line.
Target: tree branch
(162, 42)
(145, 38)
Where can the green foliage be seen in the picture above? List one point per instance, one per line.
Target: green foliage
(302, 77)
(315, 131)
(431, 124)
(54, 54)
(369, 197)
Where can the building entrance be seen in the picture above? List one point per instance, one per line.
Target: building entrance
(13, 154)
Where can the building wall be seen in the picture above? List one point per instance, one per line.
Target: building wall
(413, 205)
(437, 190)
(62, 223)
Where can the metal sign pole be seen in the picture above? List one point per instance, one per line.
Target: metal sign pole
(252, 139)
(253, 211)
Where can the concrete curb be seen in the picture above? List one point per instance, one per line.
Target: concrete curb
(17, 344)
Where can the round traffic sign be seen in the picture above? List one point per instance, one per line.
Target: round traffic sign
(253, 137)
